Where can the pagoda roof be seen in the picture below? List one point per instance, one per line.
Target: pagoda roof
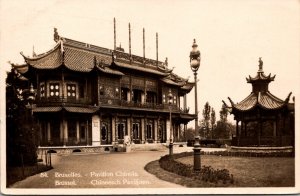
(265, 100)
(188, 86)
(67, 108)
(260, 95)
(82, 57)
(260, 76)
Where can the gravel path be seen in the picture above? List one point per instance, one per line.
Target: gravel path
(108, 170)
(112, 170)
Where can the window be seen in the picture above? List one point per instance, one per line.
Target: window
(54, 89)
(117, 92)
(149, 131)
(121, 130)
(42, 90)
(124, 92)
(81, 90)
(71, 90)
(101, 89)
(150, 97)
(135, 130)
(174, 99)
(71, 129)
(55, 129)
(164, 98)
(82, 130)
(104, 132)
(136, 96)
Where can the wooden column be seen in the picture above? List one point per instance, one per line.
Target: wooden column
(143, 130)
(87, 132)
(129, 124)
(63, 84)
(65, 131)
(113, 128)
(237, 133)
(245, 129)
(274, 133)
(48, 132)
(77, 132)
(259, 132)
(155, 130)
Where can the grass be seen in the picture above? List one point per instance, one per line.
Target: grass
(247, 171)
(154, 168)
(252, 171)
(14, 174)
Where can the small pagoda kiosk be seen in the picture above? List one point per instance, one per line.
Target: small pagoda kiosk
(262, 119)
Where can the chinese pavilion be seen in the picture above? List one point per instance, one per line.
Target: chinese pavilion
(92, 96)
(262, 119)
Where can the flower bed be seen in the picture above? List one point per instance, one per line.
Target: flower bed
(207, 173)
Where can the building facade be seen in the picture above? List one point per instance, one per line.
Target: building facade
(262, 119)
(92, 96)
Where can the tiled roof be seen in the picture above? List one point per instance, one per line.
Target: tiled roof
(81, 109)
(82, 60)
(139, 68)
(108, 70)
(69, 109)
(20, 68)
(49, 60)
(260, 76)
(47, 109)
(169, 81)
(263, 99)
(82, 57)
(188, 86)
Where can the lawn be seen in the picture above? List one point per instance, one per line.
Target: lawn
(15, 174)
(252, 171)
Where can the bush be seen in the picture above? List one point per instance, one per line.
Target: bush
(206, 173)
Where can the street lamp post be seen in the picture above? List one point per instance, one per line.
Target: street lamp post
(195, 58)
(170, 97)
(31, 98)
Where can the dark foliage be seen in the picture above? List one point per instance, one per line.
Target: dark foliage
(20, 134)
(207, 173)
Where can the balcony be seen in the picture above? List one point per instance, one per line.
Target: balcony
(140, 105)
(59, 100)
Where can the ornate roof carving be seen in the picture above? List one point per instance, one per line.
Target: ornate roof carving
(265, 100)
(260, 95)
(82, 57)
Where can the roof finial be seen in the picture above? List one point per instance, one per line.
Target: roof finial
(144, 43)
(156, 48)
(115, 45)
(33, 52)
(129, 39)
(166, 62)
(260, 64)
(56, 36)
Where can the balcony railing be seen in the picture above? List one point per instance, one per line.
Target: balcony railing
(110, 102)
(146, 105)
(55, 100)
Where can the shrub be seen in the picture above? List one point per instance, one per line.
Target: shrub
(207, 173)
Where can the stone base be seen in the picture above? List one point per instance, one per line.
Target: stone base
(148, 147)
(261, 149)
(66, 150)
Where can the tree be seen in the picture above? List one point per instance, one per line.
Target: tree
(223, 129)
(205, 123)
(223, 113)
(19, 133)
(190, 134)
(212, 121)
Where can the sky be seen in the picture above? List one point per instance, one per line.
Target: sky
(231, 36)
